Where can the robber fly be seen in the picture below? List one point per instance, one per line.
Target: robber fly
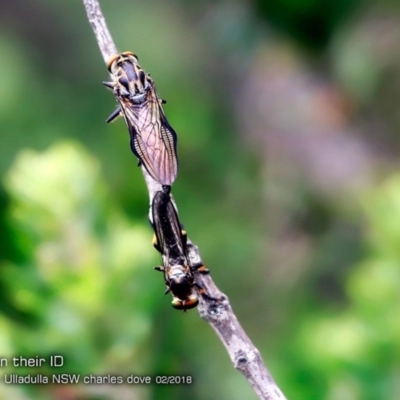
(153, 140)
(170, 240)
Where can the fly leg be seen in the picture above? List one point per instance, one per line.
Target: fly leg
(109, 85)
(200, 267)
(158, 248)
(203, 293)
(114, 115)
(162, 269)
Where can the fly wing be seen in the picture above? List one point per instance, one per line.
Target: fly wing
(167, 228)
(152, 138)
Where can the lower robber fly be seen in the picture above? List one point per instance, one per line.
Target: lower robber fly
(153, 140)
(170, 241)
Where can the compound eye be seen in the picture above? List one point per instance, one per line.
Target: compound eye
(130, 54)
(111, 65)
(177, 303)
(191, 302)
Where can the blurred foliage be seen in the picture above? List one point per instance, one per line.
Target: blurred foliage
(288, 183)
(312, 23)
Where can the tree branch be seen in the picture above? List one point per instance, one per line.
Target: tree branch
(218, 313)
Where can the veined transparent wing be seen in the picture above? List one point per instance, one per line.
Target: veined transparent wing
(153, 140)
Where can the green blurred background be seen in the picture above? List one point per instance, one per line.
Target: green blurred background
(288, 124)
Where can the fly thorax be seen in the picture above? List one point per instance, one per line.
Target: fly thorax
(132, 82)
(177, 274)
(141, 88)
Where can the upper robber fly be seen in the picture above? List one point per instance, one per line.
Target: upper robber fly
(153, 140)
(170, 241)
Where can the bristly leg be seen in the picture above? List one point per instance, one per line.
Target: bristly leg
(114, 115)
(200, 267)
(109, 85)
(158, 248)
(206, 296)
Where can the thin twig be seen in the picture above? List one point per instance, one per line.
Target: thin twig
(99, 26)
(245, 357)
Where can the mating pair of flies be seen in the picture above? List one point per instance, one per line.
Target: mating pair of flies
(153, 141)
